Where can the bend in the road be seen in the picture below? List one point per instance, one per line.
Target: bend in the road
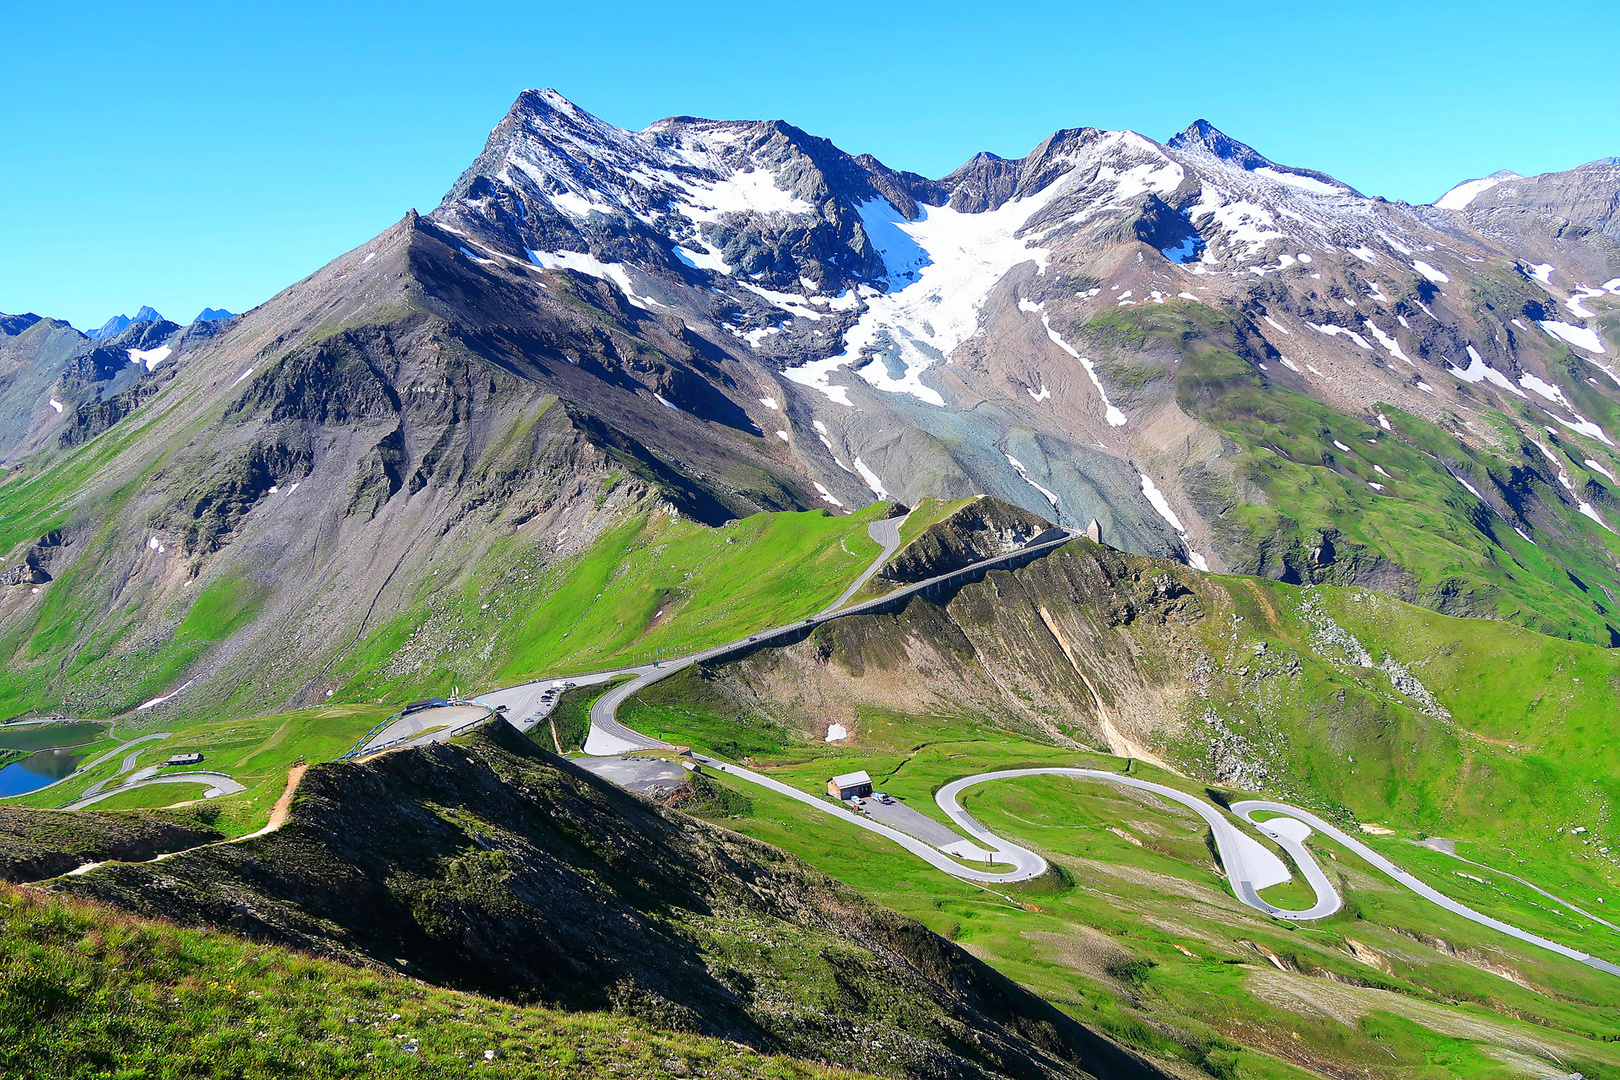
(1234, 847)
(1247, 809)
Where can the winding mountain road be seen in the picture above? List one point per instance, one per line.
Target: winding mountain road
(1249, 865)
(1246, 811)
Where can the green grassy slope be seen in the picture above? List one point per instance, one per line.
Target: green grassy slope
(1523, 754)
(1424, 537)
(86, 992)
(1147, 943)
(646, 587)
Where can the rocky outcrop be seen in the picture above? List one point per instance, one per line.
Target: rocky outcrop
(39, 844)
(981, 530)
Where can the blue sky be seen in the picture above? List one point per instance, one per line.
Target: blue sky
(184, 155)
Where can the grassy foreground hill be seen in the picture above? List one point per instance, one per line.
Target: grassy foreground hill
(492, 866)
(86, 991)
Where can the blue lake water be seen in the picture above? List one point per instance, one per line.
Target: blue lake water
(34, 772)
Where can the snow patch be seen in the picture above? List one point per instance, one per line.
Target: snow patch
(1460, 196)
(1582, 425)
(149, 358)
(1479, 371)
(1542, 272)
(1304, 183)
(1333, 331)
(1275, 325)
(160, 700)
(589, 265)
(1578, 309)
(1162, 505)
(1114, 417)
(701, 260)
(1545, 389)
(1586, 508)
(57, 405)
(1023, 472)
(1389, 343)
(941, 268)
(871, 479)
(1043, 395)
(826, 495)
(837, 733)
(1439, 277)
(1578, 336)
(1596, 466)
(770, 403)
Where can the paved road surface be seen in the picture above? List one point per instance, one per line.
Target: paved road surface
(524, 709)
(278, 817)
(608, 736)
(1249, 865)
(87, 766)
(887, 534)
(403, 732)
(218, 784)
(926, 852)
(1247, 809)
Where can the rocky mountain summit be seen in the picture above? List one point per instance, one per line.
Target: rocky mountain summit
(1238, 364)
(1019, 327)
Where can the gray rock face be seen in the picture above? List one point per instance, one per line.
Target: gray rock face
(981, 530)
(1587, 196)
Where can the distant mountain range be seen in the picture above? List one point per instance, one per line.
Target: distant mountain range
(1243, 365)
(119, 323)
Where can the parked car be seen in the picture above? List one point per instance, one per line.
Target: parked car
(885, 798)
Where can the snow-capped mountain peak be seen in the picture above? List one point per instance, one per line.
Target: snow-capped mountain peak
(1204, 138)
(1464, 193)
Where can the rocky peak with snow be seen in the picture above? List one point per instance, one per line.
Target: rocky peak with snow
(1587, 195)
(1174, 339)
(900, 329)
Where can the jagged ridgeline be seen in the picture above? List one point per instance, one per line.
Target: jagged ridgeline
(1223, 360)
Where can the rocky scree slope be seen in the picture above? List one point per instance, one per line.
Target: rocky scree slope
(491, 865)
(313, 464)
(923, 318)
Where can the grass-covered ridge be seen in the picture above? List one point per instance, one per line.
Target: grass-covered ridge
(1147, 943)
(648, 585)
(87, 992)
(1357, 705)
